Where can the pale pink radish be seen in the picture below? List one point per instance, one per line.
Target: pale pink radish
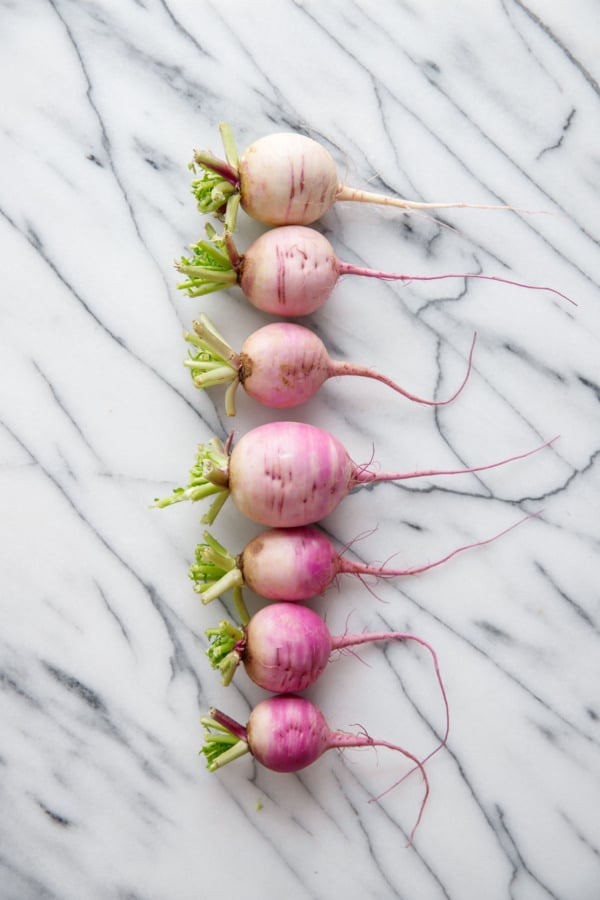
(285, 474)
(282, 179)
(290, 271)
(287, 733)
(292, 564)
(281, 365)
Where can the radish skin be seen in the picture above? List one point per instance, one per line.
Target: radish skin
(280, 365)
(293, 564)
(291, 271)
(285, 474)
(285, 648)
(283, 179)
(287, 733)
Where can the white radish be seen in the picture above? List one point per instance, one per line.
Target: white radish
(282, 179)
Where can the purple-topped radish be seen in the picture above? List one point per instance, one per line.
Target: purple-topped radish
(290, 271)
(291, 564)
(282, 179)
(287, 733)
(285, 647)
(281, 365)
(285, 474)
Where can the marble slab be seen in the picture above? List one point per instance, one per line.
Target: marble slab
(104, 677)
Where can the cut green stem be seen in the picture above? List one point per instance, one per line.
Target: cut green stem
(215, 572)
(224, 739)
(208, 476)
(214, 361)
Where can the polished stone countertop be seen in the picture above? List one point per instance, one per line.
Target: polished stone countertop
(102, 645)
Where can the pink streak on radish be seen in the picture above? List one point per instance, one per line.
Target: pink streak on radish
(286, 647)
(288, 473)
(287, 178)
(292, 270)
(293, 277)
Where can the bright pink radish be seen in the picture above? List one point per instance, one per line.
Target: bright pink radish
(285, 474)
(291, 564)
(286, 733)
(285, 647)
(281, 365)
(289, 271)
(282, 179)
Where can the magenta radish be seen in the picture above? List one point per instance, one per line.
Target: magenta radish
(290, 271)
(285, 647)
(282, 179)
(287, 733)
(285, 474)
(292, 564)
(281, 365)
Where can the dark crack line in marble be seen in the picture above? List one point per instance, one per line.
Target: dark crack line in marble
(572, 605)
(106, 143)
(277, 850)
(562, 47)
(112, 612)
(28, 881)
(59, 402)
(440, 219)
(413, 849)
(184, 32)
(519, 864)
(558, 143)
(37, 245)
(547, 707)
(523, 218)
(104, 138)
(178, 657)
(371, 847)
(579, 834)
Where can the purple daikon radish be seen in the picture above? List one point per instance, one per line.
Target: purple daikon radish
(290, 271)
(285, 474)
(280, 365)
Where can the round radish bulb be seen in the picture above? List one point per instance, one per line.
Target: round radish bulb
(291, 271)
(285, 647)
(287, 178)
(285, 474)
(287, 733)
(282, 179)
(292, 564)
(281, 365)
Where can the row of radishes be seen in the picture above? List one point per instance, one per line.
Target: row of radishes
(284, 475)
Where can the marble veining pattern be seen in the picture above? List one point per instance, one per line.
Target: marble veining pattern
(103, 677)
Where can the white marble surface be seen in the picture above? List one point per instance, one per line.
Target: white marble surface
(104, 677)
